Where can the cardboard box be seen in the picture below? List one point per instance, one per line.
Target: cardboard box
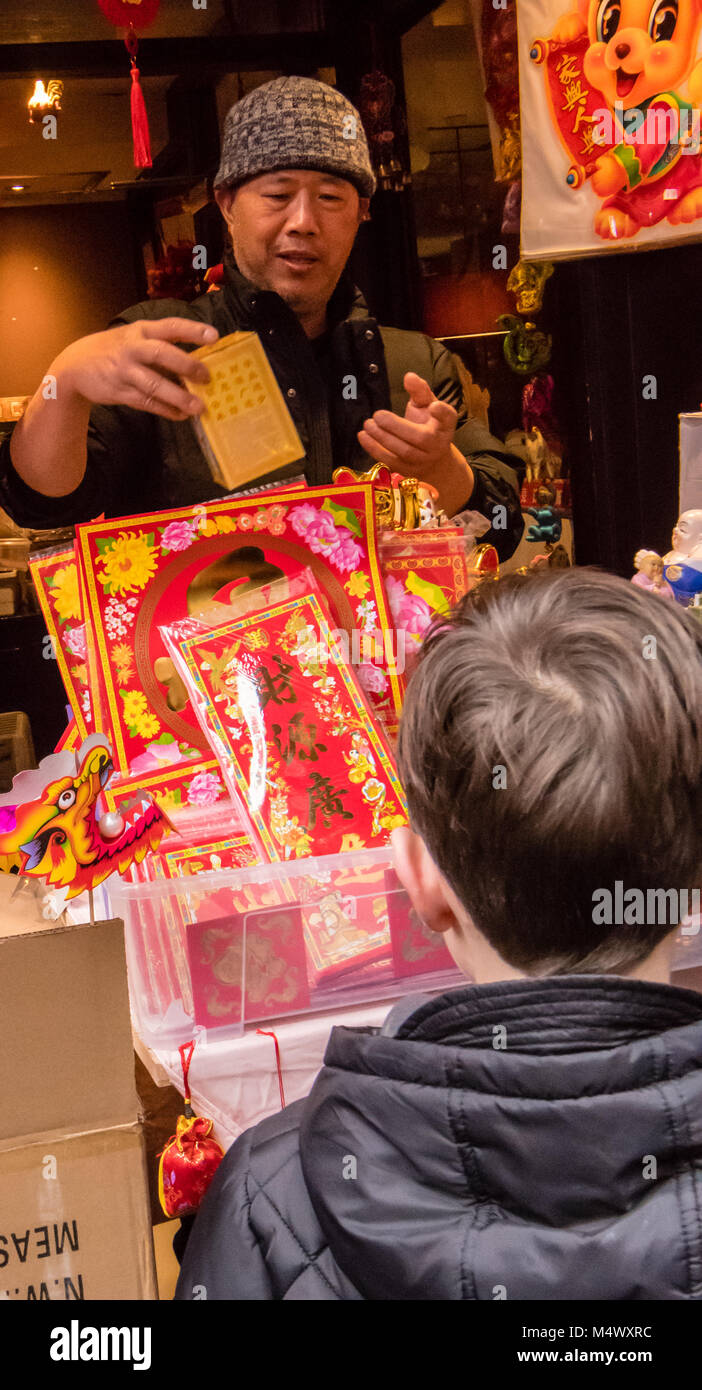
(75, 1220)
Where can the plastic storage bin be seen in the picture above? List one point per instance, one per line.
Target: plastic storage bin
(214, 952)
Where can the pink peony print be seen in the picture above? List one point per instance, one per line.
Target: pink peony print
(373, 680)
(178, 535)
(204, 789)
(245, 522)
(157, 755)
(74, 637)
(323, 537)
(409, 611)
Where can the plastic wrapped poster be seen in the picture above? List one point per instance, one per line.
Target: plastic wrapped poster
(290, 725)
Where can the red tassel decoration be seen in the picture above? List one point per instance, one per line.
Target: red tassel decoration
(191, 1157)
(140, 124)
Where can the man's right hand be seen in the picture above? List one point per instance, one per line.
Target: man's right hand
(137, 364)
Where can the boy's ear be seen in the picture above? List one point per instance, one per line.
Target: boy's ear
(419, 875)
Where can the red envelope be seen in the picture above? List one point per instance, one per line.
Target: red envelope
(415, 949)
(275, 976)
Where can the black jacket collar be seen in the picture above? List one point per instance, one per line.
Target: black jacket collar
(258, 307)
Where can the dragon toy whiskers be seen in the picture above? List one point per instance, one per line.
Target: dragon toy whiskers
(50, 827)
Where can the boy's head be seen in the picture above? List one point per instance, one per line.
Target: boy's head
(550, 746)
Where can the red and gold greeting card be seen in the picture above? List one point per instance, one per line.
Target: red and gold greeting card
(55, 577)
(152, 570)
(264, 951)
(207, 856)
(289, 723)
(425, 574)
(176, 788)
(415, 949)
(345, 919)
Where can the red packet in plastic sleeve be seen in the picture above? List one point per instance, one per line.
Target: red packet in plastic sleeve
(425, 574)
(258, 955)
(415, 949)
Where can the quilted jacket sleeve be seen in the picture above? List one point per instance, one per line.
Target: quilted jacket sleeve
(256, 1236)
(223, 1258)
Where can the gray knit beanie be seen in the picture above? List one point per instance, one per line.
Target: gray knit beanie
(295, 123)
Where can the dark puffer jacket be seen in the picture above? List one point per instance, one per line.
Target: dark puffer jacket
(432, 1164)
(140, 462)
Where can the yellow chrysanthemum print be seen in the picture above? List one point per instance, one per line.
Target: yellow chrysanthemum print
(65, 593)
(128, 564)
(135, 705)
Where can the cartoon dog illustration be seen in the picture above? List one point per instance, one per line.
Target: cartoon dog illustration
(639, 52)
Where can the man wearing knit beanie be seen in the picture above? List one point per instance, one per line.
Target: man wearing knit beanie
(294, 184)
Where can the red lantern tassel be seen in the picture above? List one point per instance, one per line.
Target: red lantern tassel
(140, 124)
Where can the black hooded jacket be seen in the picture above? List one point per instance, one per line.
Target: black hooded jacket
(141, 462)
(561, 1159)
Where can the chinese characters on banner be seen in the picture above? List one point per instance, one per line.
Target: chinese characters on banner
(611, 149)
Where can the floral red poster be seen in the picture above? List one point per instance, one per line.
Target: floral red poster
(55, 578)
(293, 734)
(151, 570)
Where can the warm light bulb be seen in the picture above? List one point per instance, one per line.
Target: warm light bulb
(40, 96)
(17, 187)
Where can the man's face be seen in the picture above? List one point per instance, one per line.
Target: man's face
(292, 232)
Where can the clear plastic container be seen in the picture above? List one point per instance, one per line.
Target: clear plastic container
(213, 952)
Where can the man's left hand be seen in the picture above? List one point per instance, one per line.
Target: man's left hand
(422, 444)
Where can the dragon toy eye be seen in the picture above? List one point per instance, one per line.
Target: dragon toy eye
(67, 799)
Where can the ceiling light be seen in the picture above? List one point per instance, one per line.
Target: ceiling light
(17, 187)
(44, 99)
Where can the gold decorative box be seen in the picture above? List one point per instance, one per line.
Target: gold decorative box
(246, 429)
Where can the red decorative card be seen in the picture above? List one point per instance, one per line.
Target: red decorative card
(292, 731)
(425, 574)
(415, 949)
(55, 576)
(152, 570)
(209, 856)
(345, 920)
(198, 787)
(275, 974)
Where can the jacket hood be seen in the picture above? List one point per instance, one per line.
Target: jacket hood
(528, 1140)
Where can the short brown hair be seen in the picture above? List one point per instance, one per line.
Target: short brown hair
(550, 745)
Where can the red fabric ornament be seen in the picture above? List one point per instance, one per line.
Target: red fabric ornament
(137, 14)
(191, 1157)
(133, 15)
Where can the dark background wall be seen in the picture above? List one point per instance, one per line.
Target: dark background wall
(616, 320)
(65, 270)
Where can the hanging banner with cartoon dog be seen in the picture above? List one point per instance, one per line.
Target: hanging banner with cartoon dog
(611, 98)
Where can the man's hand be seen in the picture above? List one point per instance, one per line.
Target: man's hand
(421, 445)
(135, 364)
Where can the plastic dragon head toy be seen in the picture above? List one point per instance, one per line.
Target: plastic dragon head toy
(51, 827)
